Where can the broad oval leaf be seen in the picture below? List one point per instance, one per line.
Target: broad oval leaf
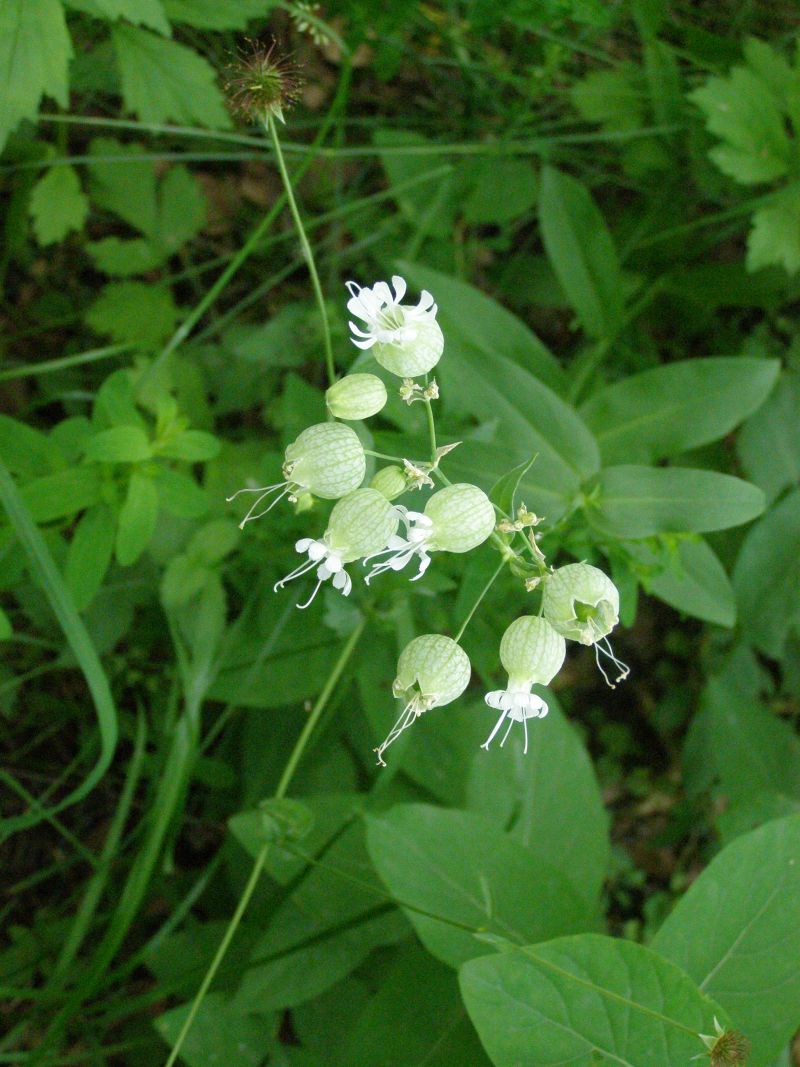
(767, 577)
(582, 252)
(737, 933)
(119, 444)
(137, 519)
(635, 502)
(475, 878)
(695, 582)
(670, 409)
(565, 1001)
(89, 554)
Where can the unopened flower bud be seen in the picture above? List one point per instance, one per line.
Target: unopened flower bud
(433, 670)
(390, 481)
(531, 652)
(357, 396)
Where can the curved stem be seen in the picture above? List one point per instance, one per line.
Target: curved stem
(431, 432)
(261, 858)
(309, 255)
(476, 605)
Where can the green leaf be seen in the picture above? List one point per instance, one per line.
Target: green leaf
(767, 577)
(582, 253)
(164, 81)
(115, 404)
(219, 1033)
(180, 495)
(192, 446)
(635, 502)
(181, 209)
(769, 442)
(736, 933)
(124, 184)
(89, 555)
(501, 190)
(34, 52)
(122, 258)
(671, 409)
(693, 581)
(612, 98)
(214, 541)
(58, 205)
(562, 1002)
(775, 236)
(137, 519)
(183, 580)
(139, 12)
(416, 988)
(56, 496)
(6, 629)
(120, 444)
(322, 931)
(25, 450)
(135, 312)
(548, 800)
(211, 15)
(742, 112)
(460, 867)
(471, 319)
(504, 491)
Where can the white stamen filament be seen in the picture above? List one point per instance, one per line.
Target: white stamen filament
(401, 550)
(263, 491)
(330, 566)
(516, 706)
(604, 645)
(410, 713)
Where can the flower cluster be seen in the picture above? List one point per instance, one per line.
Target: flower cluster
(576, 602)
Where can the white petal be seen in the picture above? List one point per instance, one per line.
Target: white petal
(303, 544)
(400, 287)
(364, 344)
(317, 550)
(493, 699)
(382, 292)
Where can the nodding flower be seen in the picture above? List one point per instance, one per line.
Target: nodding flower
(532, 652)
(327, 460)
(359, 521)
(456, 519)
(433, 670)
(405, 339)
(582, 603)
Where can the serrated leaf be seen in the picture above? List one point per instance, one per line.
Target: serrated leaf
(736, 932)
(139, 12)
(211, 15)
(120, 444)
(89, 555)
(137, 519)
(775, 237)
(635, 502)
(742, 112)
(34, 53)
(123, 183)
(460, 866)
(677, 407)
(165, 81)
(612, 98)
(134, 311)
(181, 209)
(567, 1000)
(58, 205)
(582, 252)
(123, 258)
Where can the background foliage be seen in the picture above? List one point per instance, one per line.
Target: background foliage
(604, 198)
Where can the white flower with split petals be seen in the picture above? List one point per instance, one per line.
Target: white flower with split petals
(405, 339)
(456, 519)
(359, 522)
(532, 652)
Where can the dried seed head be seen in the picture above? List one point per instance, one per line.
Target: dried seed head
(260, 84)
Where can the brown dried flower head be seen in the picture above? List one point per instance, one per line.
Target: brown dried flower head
(726, 1048)
(261, 83)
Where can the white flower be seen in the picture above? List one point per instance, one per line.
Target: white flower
(531, 651)
(456, 519)
(330, 566)
(387, 320)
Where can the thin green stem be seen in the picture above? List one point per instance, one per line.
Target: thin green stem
(477, 603)
(307, 252)
(27, 370)
(261, 858)
(383, 455)
(431, 431)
